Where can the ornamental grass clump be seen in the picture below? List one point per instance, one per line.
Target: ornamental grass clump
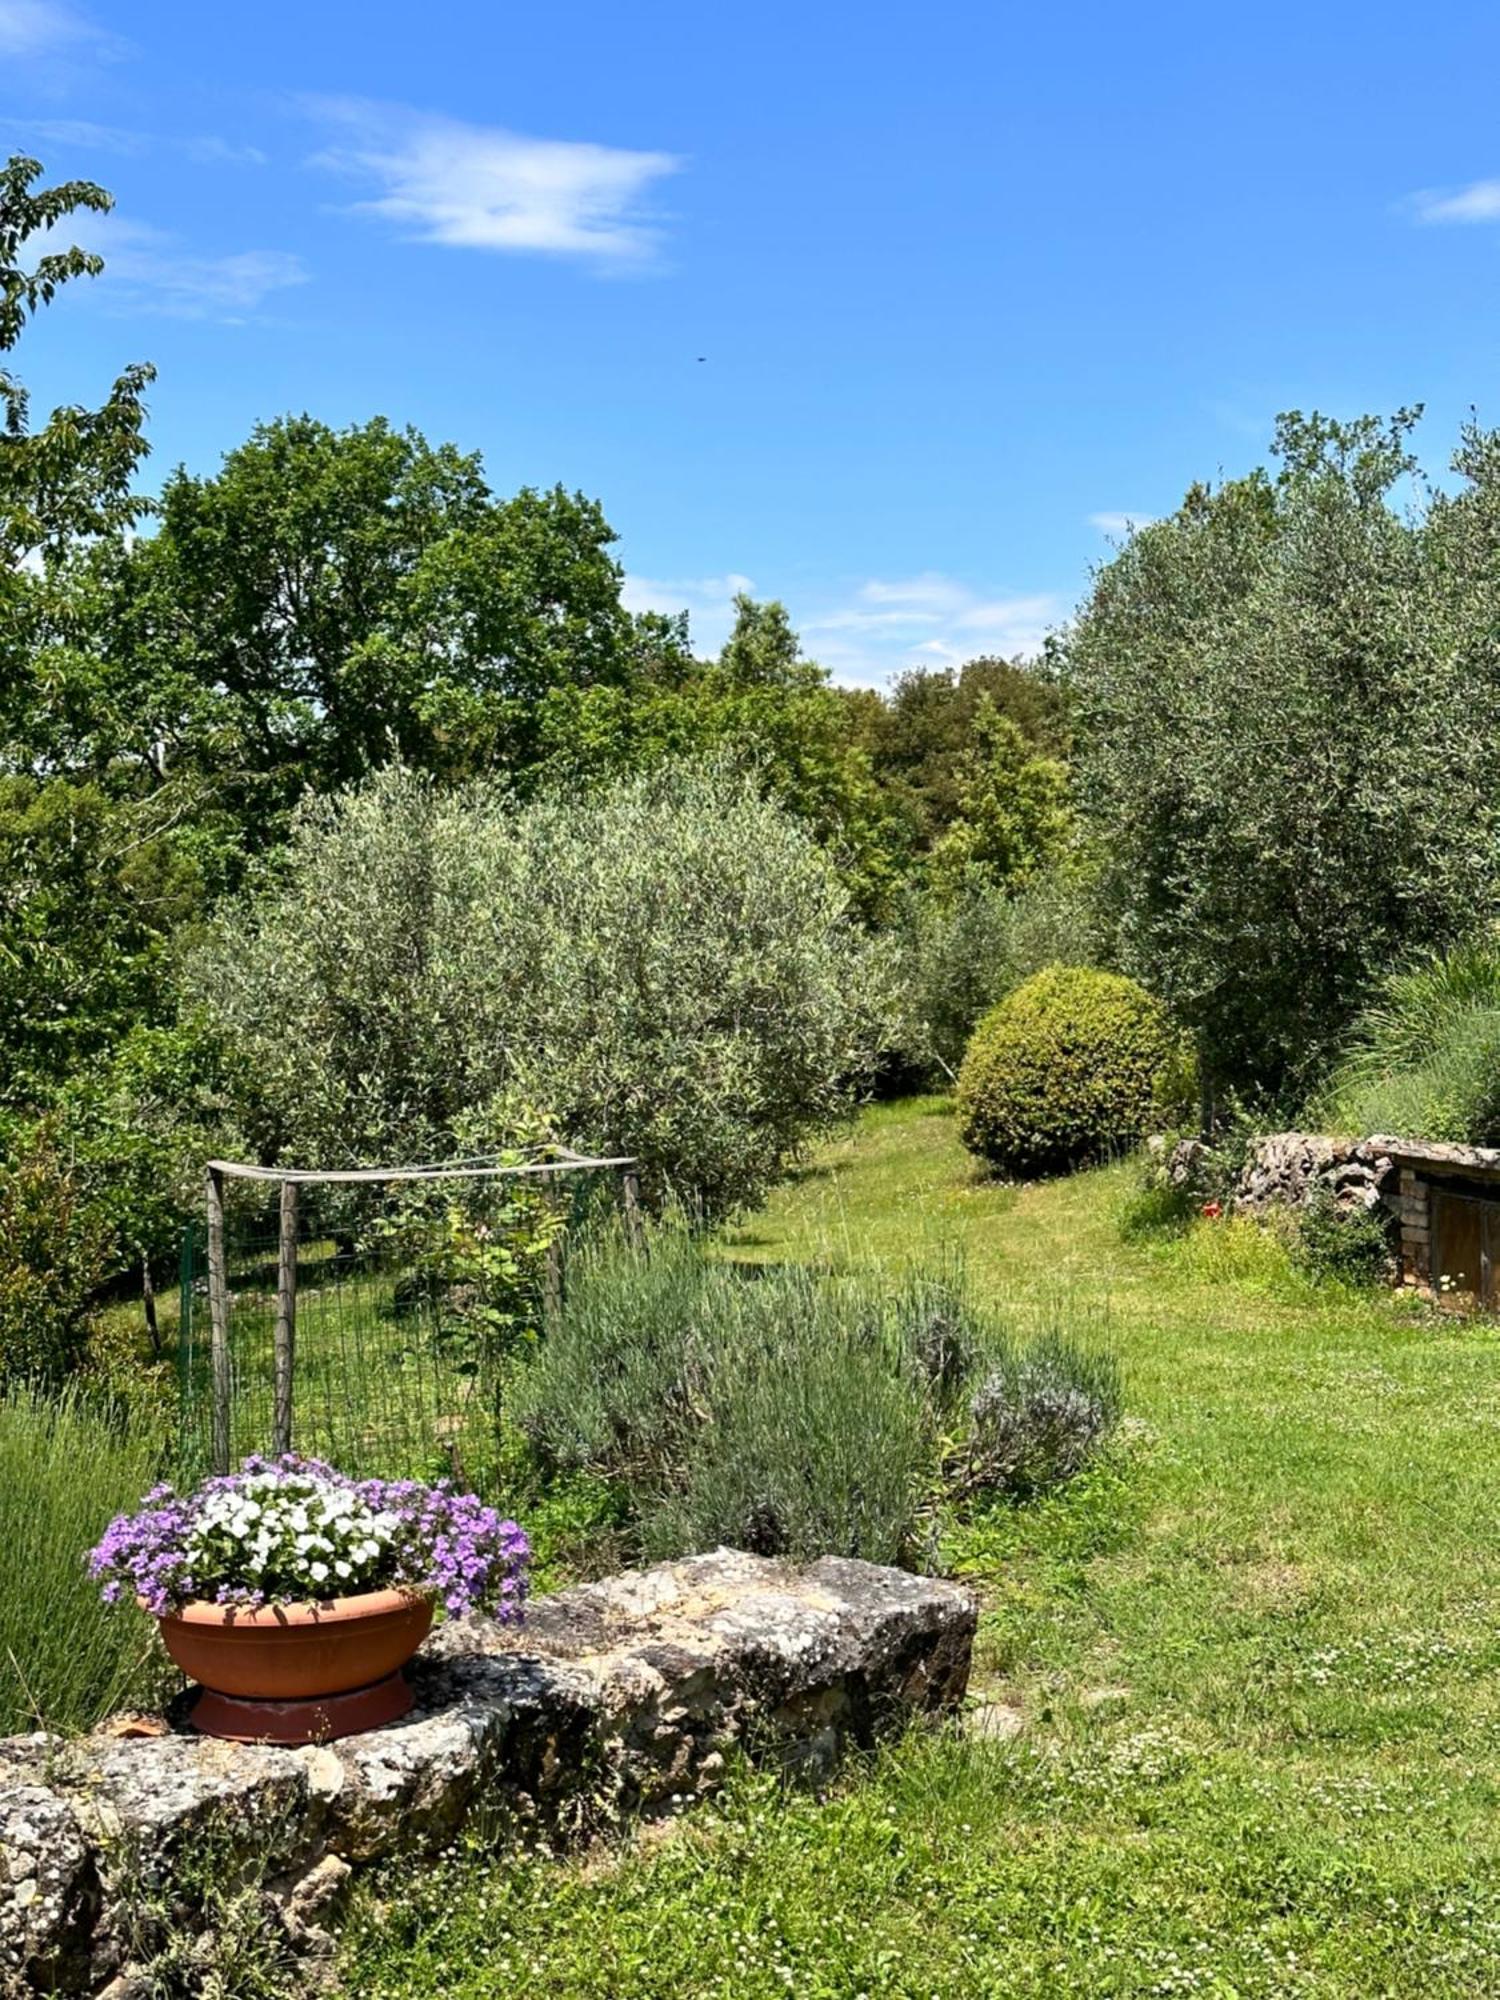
(292, 1530)
(66, 1463)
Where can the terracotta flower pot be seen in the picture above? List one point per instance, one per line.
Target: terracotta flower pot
(298, 1673)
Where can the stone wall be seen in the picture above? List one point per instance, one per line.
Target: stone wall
(1291, 1169)
(614, 1698)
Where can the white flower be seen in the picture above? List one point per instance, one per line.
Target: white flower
(317, 1571)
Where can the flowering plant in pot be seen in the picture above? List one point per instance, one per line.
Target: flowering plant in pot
(296, 1595)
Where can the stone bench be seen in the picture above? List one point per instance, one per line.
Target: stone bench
(614, 1698)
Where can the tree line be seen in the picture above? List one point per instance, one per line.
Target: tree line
(1256, 771)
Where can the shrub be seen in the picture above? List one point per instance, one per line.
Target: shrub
(1351, 1245)
(964, 951)
(667, 966)
(1423, 1060)
(65, 1467)
(1072, 1066)
(616, 1386)
(1038, 1416)
(52, 1262)
(788, 1412)
(818, 1443)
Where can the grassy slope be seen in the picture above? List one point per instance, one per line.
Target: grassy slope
(1254, 1661)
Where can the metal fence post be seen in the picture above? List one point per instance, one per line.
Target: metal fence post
(286, 1320)
(218, 1312)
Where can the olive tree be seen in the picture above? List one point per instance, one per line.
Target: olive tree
(666, 967)
(1288, 758)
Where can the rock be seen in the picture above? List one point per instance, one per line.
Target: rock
(620, 1695)
(1292, 1169)
(49, 1891)
(1186, 1165)
(317, 1894)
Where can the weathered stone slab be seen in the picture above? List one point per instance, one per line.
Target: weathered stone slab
(49, 1892)
(616, 1696)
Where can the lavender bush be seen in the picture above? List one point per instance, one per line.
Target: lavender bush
(292, 1530)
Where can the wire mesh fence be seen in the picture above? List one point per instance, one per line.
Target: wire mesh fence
(413, 1306)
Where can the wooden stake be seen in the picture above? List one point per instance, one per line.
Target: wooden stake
(148, 1306)
(630, 1202)
(286, 1320)
(552, 1281)
(218, 1313)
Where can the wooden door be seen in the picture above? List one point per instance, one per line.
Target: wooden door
(1465, 1247)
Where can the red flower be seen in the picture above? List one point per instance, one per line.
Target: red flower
(1212, 1209)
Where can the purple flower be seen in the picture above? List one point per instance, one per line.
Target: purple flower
(291, 1529)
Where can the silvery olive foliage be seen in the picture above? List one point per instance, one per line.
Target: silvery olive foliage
(1289, 726)
(963, 951)
(666, 967)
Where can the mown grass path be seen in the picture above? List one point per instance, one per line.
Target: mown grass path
(1252, 1665)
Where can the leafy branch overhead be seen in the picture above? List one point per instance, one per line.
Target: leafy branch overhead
(72, 476)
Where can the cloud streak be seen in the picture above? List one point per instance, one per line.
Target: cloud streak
(1478, 202)
(883, 626)
(204, 149)
(930, 619)
(33, 29)
(148, 270)
(481, 187)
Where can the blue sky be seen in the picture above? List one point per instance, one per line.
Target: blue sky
(973, 283)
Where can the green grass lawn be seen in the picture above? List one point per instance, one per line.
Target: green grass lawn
(1251, 1664)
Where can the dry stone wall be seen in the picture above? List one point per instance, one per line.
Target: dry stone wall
(615, 1697)
(1291, 1169)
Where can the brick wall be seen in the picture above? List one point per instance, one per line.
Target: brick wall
(1414, 1226)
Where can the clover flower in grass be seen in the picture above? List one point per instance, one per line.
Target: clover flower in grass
(291, 1529)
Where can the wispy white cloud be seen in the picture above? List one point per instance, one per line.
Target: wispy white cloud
(148, 270)
(209, 150)
(34, 27)
(867, 635)
(1119, 525)
(1478, 202)
(480, 187)
(80, 132)
(205, 149)
(47, 28)
(708, 601)
(927, 620)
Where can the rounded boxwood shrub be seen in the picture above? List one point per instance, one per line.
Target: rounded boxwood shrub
(1071, 1066)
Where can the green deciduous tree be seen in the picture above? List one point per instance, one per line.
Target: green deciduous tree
(922, 734)
(334, 600)
(761, 703)
(1014, 815)
(71, 476)
(90, 889)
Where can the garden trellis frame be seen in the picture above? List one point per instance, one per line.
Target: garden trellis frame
(559, 1160)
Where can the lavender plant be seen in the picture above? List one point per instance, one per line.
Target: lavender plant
(294, 1530)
